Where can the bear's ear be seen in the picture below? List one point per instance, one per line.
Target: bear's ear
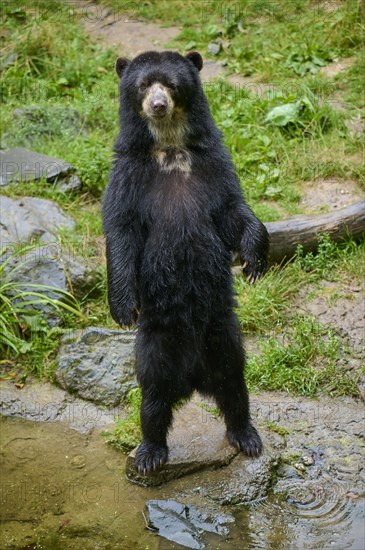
(196, 59)
(120, 65)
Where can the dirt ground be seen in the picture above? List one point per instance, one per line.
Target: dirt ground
(329, 194)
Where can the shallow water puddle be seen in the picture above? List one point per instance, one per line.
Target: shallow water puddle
(61, 489)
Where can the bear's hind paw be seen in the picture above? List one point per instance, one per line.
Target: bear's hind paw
(246, 440)
(150, 457)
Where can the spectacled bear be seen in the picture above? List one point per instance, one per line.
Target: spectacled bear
(173, 215)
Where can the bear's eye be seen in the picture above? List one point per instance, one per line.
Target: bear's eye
(172, 86)
(143, 87)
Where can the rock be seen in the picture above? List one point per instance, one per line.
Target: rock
(183, 523)
(197, 442)
(328, 431)
(24, 220)
(244, 480)
(21, 165)
(71, 183)
(214, 48)
(64, 273)
(97, 364)
(48, 263)
(47, 403)
(8, 60)
(308, 461)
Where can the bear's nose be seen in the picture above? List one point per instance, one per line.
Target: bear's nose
(159, 106)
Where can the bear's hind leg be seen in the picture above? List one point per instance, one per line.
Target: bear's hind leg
(225, 362)
(156, 417)
(162, 366)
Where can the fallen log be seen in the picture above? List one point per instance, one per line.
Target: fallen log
(286, 235)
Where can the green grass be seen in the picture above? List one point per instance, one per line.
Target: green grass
(127, 433)
(301, 360)
(296, 353)
(280, 139)
(260, 307)
(24, 332)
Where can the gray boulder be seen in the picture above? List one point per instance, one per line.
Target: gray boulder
(21, 165)
(97, 364)
(29, 218)
(24, 221)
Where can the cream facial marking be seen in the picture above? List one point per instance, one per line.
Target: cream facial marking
(158, 101)
(166, 122)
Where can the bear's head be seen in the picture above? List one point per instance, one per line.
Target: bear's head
(159, 86)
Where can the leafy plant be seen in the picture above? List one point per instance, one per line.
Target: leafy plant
(20, 316)
(330, 257)
(309, 59)
(302, 116)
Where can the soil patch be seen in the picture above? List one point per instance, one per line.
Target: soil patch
(327, 194)
(338, 67)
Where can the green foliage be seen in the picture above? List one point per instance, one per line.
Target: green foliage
(54, 64)
(303, 117)
(280, 135)
(262, 305)
(308, 58)
(214, 411)
(21, 320)
(267, 303)
(127, 433)
(301, 362)
(331, 259)
(300, 355)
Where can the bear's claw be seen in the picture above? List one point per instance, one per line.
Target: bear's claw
(246, 440)
(150, 457)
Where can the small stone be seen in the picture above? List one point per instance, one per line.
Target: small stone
(299, 466)
(78, 461)
(307, 460)
(214, 48)
(72, 183)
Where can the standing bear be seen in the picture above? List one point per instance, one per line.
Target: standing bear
(173, 215)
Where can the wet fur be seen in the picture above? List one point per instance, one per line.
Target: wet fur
(173, 215)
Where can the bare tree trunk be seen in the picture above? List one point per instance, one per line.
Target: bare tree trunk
(305, 230)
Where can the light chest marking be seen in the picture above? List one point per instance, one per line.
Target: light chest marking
(173, 159)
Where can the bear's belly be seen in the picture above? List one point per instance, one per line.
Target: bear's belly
(183, 267)
(184, 260)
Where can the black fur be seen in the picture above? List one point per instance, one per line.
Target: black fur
(170, 238)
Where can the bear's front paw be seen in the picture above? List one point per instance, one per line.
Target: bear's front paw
(150, 457)
(125, 317)
(246, 440)
(254, 248)
(253, 268)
